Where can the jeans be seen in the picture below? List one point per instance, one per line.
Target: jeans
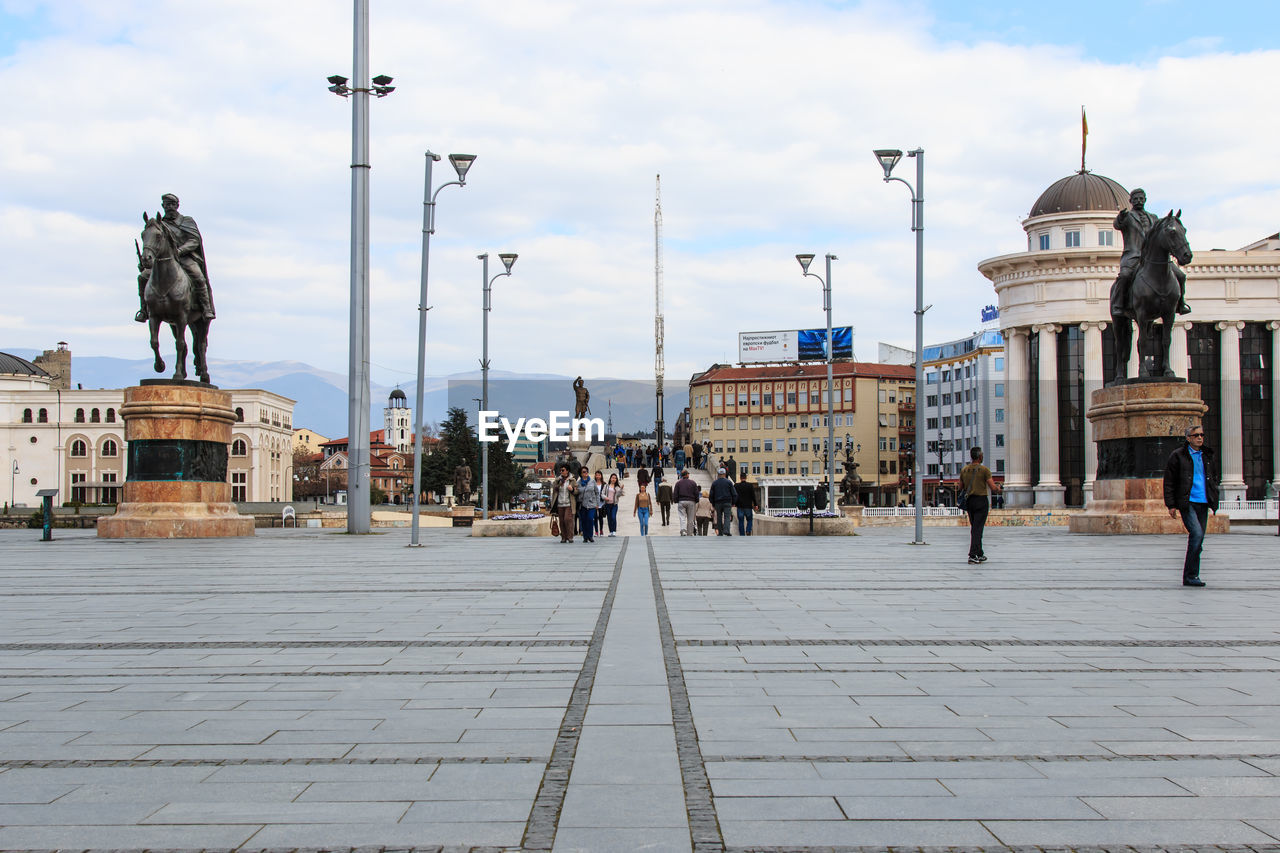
(611, 511)
(643, 514)
(724, 519)
(745, 515)
(587, 522)
(1195, 517)
(977, 506)
(687, 522)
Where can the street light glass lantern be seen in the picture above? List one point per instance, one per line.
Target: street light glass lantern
(805, 260)
(508, 259)
(461, 163)
(888, 158)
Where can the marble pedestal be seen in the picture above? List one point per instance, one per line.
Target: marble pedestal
(1136, 427)
(178, 434)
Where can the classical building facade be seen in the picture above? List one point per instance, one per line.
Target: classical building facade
(72, 439)
(1055, 318)
(772, 419)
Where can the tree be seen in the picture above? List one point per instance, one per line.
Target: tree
(457, 443)
(306, 470)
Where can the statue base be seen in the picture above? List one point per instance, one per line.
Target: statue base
(178, 436)
(1136, 426)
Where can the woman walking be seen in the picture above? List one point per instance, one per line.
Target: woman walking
(703, 514)
(588, 505)
(612, 494)
(598, 485)
(564, 500)
(643, 508)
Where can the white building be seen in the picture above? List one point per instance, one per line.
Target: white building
(397, 420)
(965, 406)
(1055, 318)
(72, 440)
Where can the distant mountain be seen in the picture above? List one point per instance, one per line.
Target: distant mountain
(321, 395)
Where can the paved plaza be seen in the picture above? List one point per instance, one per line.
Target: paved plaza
(307, 689)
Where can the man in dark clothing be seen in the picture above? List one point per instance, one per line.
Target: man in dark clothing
(731, 467)
(1191, 489)
(664, 501)
(747, 504)
(722, 496)
(697, 454)
(687, 494)
(975, 479)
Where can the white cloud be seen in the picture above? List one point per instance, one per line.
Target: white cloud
(760, 117)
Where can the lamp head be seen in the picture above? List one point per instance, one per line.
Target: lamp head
(805, 260)
(508, 259)
(461, 163)
(888, 158)
(382, 80)
(338, 80)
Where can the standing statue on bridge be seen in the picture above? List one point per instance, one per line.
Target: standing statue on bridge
(582, 399)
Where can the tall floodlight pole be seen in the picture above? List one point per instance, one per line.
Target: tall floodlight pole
(508, 260)
(659, 331)
(888, 158)
(461, 163)
(805, 260)
(358, 352)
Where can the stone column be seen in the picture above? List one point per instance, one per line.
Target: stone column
(1232, 450)
(1274, 326)
(1049, 489)
(1092, 382)
(1178, 348)
(1017, 475)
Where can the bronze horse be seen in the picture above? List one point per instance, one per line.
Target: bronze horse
(1154, 296)
(170, 299)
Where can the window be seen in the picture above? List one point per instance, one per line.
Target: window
(111, 416)
(999, 466)
(77, 487)
(79, 448)
(893, 444)
(999, 439)
(804, 445)
(755, 445)
(768, 398)
(79, 416)
(731, 446)
(768, 445)
(946, 399)
(768, 422)
(946, 422)
(110, 448)
(718, 447)
(239, 414)
(791, 398)
(755, 398)
(999, 363)
(891, 397)
(931, 400)
(755, 422)
(814, 422)
(791, 445)
(1106, 237)
(239, 485)
(716, 399)
(109, 494)
(931, 378)
(804, 469)
(884, 444)
(884, 396)
(946, 376)
(768, 467)
(930, 423)
(999, 416)
(239, 448)
(26, 416)
(999, 389)
(933, 470)
(791, 468)
(742, 398)
(755, 467)
(1073, 239)
(791, 423)
(1044, 242)
(814, 397)
(42, 417)
(717, 423)
(884, 420)
(95, 417)
(893, 419)
(742, 422)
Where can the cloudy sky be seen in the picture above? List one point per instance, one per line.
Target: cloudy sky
(760, 115)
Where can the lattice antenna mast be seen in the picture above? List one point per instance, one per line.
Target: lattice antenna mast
(659, 367)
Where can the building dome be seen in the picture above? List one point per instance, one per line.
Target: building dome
(1083, 191)
(397, 399)
(12, 365)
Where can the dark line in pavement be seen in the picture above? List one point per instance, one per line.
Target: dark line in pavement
(993, 848)
(57, 763)
(378, 590)
(1097, 644)
(959, 759)
(544, 817)
(704, 822)
(189, 672)
(288, 644)
(906, 668)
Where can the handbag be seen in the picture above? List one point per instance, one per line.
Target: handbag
(555, 526)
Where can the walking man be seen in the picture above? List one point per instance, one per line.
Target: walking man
(588, 505)
(1191, 488)
(747, 503)
(723, 494)
(975, 479)
(686, 495)
(664, 501)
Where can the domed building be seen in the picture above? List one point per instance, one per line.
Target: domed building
(1054, 301)
(397, 421)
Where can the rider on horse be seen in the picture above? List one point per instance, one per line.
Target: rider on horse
(189, 251)
(1133, 225)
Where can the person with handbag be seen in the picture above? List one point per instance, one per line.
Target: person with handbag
(612, 494)
(643, 508)
(563, 505)
(598, 485)
(976, 481)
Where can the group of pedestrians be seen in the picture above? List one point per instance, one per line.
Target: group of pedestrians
(585, 504)
(698, 508)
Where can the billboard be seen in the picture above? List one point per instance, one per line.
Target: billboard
(794, 345)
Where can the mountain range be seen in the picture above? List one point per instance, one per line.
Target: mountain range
(321, 395)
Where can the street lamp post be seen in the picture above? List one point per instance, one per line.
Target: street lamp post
(805, 260)
(461, 163)
(508, 260)
(13, 479)
(358, 518)
(888, 158)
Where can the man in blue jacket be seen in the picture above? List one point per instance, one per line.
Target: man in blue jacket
(722, 496)
(1191, 488)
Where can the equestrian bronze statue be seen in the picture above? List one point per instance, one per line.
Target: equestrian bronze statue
(1149, 289)
(173, 286)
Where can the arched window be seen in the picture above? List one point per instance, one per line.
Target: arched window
(79, 448)
(239, 414)
(239, 448)
(43, 416)
(110, 448)
(111, 416)
(26, 416)
(79, 416)
(95, 417)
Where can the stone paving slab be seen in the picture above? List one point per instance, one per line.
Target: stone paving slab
(307, 689)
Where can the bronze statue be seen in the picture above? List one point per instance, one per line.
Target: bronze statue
(462, 483)
(849, 485)
(173, 285)
(582, 399)
(1133, 225)
(1153, 291)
